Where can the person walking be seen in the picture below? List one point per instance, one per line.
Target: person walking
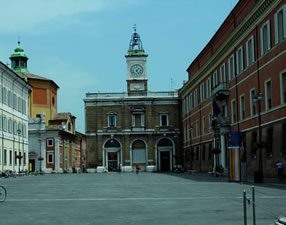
(137, 168)
(279, 170)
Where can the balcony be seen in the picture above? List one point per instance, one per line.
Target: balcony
(221, 91)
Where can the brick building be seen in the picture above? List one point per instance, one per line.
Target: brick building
(133, 127)
(238, 84)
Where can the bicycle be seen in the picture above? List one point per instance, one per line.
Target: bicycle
(3, 193)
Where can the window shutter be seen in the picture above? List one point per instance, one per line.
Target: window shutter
(261, 40)
(268, 35)
(276, 27)
(284, 21)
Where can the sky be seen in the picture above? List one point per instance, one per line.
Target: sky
(81, 45)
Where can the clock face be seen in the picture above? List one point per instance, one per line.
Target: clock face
(136, 70)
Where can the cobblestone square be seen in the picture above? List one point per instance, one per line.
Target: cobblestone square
(130, 199)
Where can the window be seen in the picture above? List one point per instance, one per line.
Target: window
(164, 119)
(210, 122)
(215, 79)
(10, 157)
(191, 101)
(5, 123)
(5, 157)
(208, 87)
(24, 107)
(196, 102)
(24, 131)
(50, 142)
(10, 99)
(250, 55)
(222, 74)
(24, 159)
(15, 157)
(280, 24)
(265, 38)
(197, 128)
(138, 120)
(283, 139)
(202, 92)
(10, 126)
(5, 96)
(20, 129)
(239, 60)
(19, 104)
(50, 156)
(204, 125)
(268, 95)
(15, 127)
(231, 71)
(15, 105)
(1, 122)
(242, 107)
(111, 120)
(283, 87)
(233, 111)
(252, 104)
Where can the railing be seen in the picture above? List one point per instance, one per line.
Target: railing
(221, 87)
(134, 94)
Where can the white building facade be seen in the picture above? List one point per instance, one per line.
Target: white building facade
(14, 92)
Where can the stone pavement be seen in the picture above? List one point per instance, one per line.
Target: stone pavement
(130, 199)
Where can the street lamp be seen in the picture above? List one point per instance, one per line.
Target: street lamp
(258, 176)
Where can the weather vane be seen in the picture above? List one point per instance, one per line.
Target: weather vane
(134, 28)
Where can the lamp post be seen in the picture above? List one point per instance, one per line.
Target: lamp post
(19, 156)
(258, 176)
(191, 159)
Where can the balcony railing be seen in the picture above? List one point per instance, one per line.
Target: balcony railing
(221, 90)
(125, 95)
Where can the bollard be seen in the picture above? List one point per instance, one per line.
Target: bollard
(244, 208)
(253, 206)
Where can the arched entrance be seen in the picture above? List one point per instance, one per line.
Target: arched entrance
(138, 154)
(165, 152)
(112, 155)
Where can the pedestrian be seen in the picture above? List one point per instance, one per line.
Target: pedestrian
(119, 168)
(279, 169)
(137, 168)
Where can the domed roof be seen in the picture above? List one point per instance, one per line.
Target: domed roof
(135, 46)
(18, 52)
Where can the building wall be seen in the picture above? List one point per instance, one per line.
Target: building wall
(99, 132)
(245, 21)
(13, 121)
(43, 98)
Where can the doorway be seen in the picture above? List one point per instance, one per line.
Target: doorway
(165, 161)
(112, 161)
(32, 164)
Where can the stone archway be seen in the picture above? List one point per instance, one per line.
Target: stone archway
(139, 154)
(112, 155)
(165, 150)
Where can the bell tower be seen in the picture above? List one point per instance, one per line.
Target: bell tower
(19, 60)
(136, 59)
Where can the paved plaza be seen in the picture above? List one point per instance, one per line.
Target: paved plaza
(130, 199)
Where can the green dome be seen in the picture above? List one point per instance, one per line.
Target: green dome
(19, 60)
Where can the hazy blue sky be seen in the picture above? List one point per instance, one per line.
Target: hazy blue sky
(81, 44)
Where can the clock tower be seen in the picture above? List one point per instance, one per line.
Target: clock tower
(136, 59)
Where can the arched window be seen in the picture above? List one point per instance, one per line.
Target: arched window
(10, 128)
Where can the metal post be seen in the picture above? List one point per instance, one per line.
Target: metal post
(253, 206)
(244, 208)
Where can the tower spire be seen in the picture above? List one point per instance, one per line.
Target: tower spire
(135, 45)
